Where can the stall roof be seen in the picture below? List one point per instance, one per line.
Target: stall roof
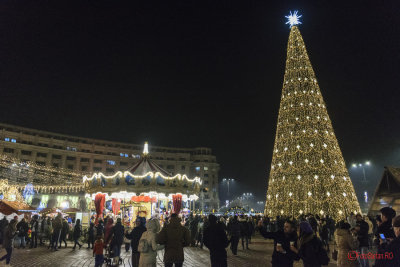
(9, 207)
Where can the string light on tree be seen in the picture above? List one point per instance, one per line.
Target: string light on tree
(306, 145)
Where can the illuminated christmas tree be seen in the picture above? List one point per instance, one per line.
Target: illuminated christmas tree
(308, 172)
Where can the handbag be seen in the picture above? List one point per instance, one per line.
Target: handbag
(334, 252)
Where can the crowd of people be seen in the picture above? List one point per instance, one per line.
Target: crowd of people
(308, 238)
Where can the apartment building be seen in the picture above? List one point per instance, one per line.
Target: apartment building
(88, 155)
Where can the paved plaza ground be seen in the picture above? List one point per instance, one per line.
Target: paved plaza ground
(259, 255)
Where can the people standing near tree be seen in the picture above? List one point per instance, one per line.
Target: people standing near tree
(175, 237)
(148, 246)
(77, 233)
(391, 247)
(310, 249)
(216, 241)
(35, 231)
(117, 233)
(200, 230)
(346, 243)
(22, 228)
(361, 230)
(8, 238)
(57, 227)
(283, 241)
(234, 233)
(135, 236)
(64, 233)
(386, 229)
(324, 233)
(91, 233)
(98, 251)
(370, 230)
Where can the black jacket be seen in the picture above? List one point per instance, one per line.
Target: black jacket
(118, 234)
(391, 249)
(77, 230)
(386, 229)
(64, 229)
(135, 236)
(312, 251)
(215, 240)
(23, 228)
(362, 234)
(234, 228)
(278, 258)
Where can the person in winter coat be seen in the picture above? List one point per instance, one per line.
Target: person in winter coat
(117, 233)
(244, 232)
(35, 231)
(57, 227)
(100, 228)
(310, 250)
(324, 233)
(361, 231)
(250, 226)
(149, 258)
(200, 231)
(216, 241)
(22, 228)
(282, 256)
(64, 233)
(175, 237)
(3, 225)
(8, 238)
(91, 232)
(193, 225)
(135, 236)
(77, 233)
(234, 233)
(98, 248)
(391, 247)
(108, 231)
(346, 243)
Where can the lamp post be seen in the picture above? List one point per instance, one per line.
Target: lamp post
(362, 166)
(228, 180)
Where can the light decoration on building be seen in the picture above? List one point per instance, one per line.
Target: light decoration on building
(299, 139)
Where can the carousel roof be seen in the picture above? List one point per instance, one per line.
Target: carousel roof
(146, 165)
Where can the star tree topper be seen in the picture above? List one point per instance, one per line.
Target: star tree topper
(293, 19)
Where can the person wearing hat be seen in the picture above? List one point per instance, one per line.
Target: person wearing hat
(310, 249)
(346, 243)
(390, 248)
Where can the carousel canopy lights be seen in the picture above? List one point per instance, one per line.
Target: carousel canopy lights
(293, 19)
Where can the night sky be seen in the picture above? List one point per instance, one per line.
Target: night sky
(201, 73)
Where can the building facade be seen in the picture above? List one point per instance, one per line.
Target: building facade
(86, 155)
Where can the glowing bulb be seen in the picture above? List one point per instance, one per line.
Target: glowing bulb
(316, 176)
(309, 194)
(344, 194)
(299, 177)
(298, 146)
(311, 145)
(306, 160)
(328, 194)
(333, 176)
(290, 194)
(325, 145)
(290, 162)
(322, 161)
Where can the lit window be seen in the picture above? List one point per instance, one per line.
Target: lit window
(197, 169)
(13, 140)
(126, 155)
(121, 154)
(7, 139)
(206, 168)
(111, 162)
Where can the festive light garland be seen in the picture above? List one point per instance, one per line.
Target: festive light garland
(308, 173)
(44, 179)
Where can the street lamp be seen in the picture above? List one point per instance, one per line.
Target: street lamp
(228, 180)
(361, 165)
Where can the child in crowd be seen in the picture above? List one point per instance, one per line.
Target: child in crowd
(98, 251)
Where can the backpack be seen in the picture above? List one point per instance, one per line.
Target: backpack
(143, 246)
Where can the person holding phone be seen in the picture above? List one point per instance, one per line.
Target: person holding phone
(390, 247)
(387, 214)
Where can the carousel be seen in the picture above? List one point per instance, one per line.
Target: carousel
(144, 190)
